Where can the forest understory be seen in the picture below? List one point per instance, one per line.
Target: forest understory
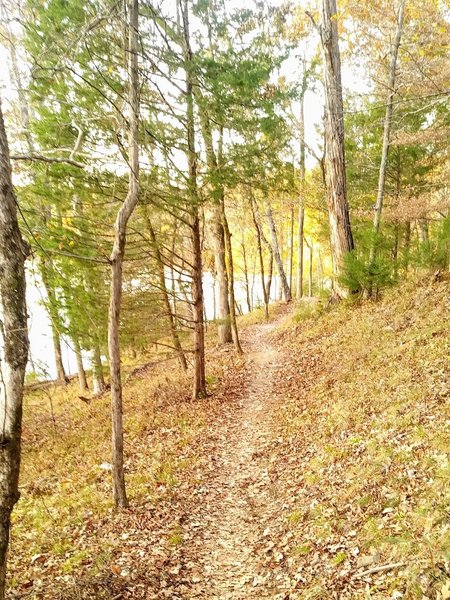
(308, 473)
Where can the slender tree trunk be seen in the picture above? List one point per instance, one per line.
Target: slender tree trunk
(230, 272)
(14, 335)
(257, 225)
(82, 380)
(301, 199)
(199, 387)
(252, 291)
(269, 276)
(310, 271)
(54, 323)
(277, 255)
(117, 255)
(60, 371)
(98, 379)
(214, 296)
(224, 323)
(165, 296)
(246, 280)
(172, 277)
(395, 249)
(423, 231)
(224, 327)
(291, 247)
(320, 271)
(340, 229)
(407, 244)
(387, 132)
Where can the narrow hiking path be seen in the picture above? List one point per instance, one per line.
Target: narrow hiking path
(238, 500)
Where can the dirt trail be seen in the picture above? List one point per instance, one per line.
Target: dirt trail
(238, 496)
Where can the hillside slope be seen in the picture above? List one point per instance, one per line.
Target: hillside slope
(317, 469)
(366, 441)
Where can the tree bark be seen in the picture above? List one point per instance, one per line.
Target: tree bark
(55, 323)
(301, 199)
(423, 231)
(224, 328)
(82, 380)
(223, 304)
(291, 247)
(230, 273)
(246, 279)
(340, 229)
(199, 387)
(387, 132)
(310, 270)
(117, 256)
(257, 225)
(276, 252)
(14, 334)
(98, 379)
(407, 245)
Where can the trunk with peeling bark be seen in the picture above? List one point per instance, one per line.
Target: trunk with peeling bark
(117, 256)
(14, 334)
(277, 255)
(336, 184)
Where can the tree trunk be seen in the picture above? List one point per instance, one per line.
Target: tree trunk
(165, 296)
(80, 367)
(224, 322)
(276, 252)
(230, 273)
(60, 371)
(118, 252)
(301, 199)
(386, 133)
(14, 334)
(269, 275)
(224, 327)
(257, 225)
(246, 279)
(422, 231)
(55, 322)
(407, 244)
(291, 247)
(98, 379)
(199, 387)
(310, 271)
(340, 229)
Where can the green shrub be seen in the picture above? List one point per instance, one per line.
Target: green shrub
(363, 277)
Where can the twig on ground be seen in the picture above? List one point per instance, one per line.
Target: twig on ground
(379, 569)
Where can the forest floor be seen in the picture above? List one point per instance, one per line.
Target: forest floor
(317, 469)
